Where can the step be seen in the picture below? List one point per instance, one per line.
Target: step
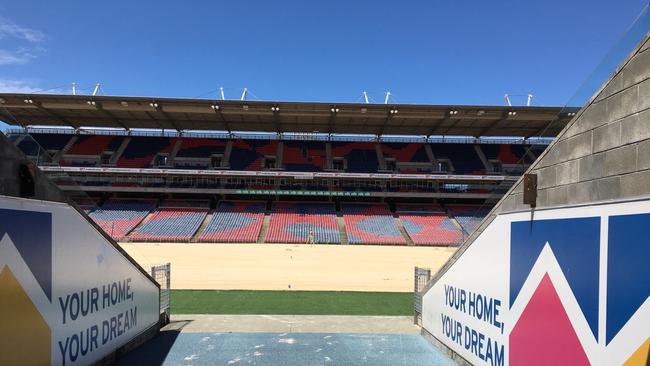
(402, 230)
(205, 223)
(142, 222)
(342, 233)
(265, 228)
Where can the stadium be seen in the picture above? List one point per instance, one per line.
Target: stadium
(363, 181)
(196, 231)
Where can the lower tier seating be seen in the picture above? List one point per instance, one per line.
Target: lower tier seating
(371, 224)
(469, 216)
(303, 223)
(234, 222)
(118, 217)
(170, 224)
(431, 229)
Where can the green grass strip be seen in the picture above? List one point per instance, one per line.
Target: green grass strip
(291, 302)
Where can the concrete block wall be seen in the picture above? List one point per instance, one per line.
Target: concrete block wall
(602, 154)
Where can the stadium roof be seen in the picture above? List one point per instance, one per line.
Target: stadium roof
(266, 116)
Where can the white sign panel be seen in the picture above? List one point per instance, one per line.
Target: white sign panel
(570, 287)
(67, 296)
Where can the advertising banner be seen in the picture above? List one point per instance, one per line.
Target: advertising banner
(67, 296)
(568, 286)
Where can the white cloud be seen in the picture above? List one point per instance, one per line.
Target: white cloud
(17, 86)
(26, 40)
(11, 29)
(19, 57)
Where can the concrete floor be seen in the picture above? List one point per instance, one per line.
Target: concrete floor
(294, 324)
(287, 341)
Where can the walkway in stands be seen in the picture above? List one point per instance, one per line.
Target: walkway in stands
(287, 340)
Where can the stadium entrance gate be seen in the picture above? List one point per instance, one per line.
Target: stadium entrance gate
(162, 274)
(422, 277)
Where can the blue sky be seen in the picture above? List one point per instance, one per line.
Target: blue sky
(438, 52)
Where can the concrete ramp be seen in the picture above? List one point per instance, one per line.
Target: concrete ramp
(567, 282)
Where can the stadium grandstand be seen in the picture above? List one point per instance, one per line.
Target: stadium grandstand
(192, 170)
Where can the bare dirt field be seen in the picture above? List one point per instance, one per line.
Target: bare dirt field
(290, 266)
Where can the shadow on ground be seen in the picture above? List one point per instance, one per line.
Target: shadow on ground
(155, 351)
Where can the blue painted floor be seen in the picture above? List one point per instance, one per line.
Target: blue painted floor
(286, 349)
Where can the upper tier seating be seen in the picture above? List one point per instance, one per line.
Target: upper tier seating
(304, 156)
(463, 157)
(30, 147)
(293, 222)
(94, 144)
(51, 142)
(371, 224)
(468, 216)
(361, 157)
(249, 154)
(405, 152)
(234, 222)
(201, 147)
(141, 151)
(506, 154)
(434, 228)
(118, 217)
(171, 225)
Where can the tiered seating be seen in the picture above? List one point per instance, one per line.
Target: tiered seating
(293, 222)
(51, 142)
(304, 156)
(85, 203)
(249, 154)
(371, 224)
(463, 157)
(429, 225)
(468, 216)
(361, 157)
(170, 224)
(234, 222)
(118, 217)
(95, 144)
(140, 151)
(506, 153)
(200, 147)
(30, 147)
(405, 152)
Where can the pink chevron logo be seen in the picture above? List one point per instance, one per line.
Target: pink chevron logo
(544, 326)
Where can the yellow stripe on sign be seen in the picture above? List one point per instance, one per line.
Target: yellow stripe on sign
(26, 337)
(640, 357)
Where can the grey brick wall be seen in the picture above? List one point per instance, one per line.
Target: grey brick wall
(602, 154)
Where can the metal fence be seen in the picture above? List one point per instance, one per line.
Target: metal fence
(422, 276)
(162, 274)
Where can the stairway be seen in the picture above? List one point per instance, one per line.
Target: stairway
(402, 230)
(205, 223)
(341, 223)
(57, 157)
(265, 228)
(146, 218)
